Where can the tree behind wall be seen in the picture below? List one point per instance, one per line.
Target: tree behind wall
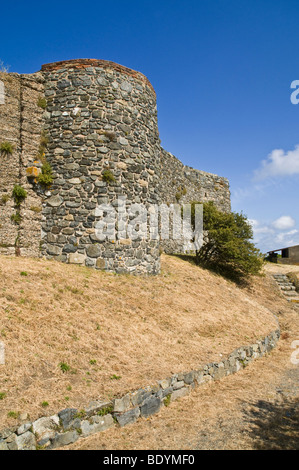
(228, 247)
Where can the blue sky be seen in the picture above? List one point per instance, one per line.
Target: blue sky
(222, 71)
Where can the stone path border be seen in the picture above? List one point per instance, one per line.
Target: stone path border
(70, 424)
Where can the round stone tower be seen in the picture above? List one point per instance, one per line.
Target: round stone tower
(104, 150)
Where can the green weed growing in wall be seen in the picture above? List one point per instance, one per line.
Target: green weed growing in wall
(108, 176)
(181, 192)
(6, 148)
(45, 178)
(19, 194)
(42, 102)
(4, 199)
(16, 218)
(43, 143)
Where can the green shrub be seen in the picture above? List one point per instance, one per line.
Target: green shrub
(44, 140)
(19, 194)
(6, 148)
(16, 218)
(229, 249)
(43, 143)
(42, 102)
(45, 178)
(110, 135)
(167, 400)
(115, 377)
(64, 367)
(4, 198)
(81, 414)
(35, 209)
(108, 176)
(182, 191)
(105, 411)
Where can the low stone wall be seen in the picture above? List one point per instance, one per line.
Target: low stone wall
(67, 426)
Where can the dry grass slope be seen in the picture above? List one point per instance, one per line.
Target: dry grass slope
(115, 333)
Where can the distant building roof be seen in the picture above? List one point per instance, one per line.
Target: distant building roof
(280, 249)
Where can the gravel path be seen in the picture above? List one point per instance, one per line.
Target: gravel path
(263, 423)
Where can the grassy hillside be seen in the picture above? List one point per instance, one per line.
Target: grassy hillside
(73, 334)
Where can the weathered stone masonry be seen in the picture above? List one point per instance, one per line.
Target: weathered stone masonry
(21, 121)
(100, 117)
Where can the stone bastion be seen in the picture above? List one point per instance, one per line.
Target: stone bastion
(94, 124)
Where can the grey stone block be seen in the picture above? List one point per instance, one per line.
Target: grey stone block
(3, 446)
(64, 439)
(95, 406)
(46, 427)
(26, 441)
(178, 385)
(67, 416)
(138, 397)
(128, 417)
(122, 404)
(24, 428)
(6, 432)
(189, 378)
(219, 372)
(97, 424)
(182, 392)
(151, 406)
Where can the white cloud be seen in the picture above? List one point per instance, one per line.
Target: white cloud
(253, 222)
(258, 228)
(286, 237)
(275, 235)
(279, 163)
(284, 223)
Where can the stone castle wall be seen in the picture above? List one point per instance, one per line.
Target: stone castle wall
(21, 121)
(182, 184)
(100, 120)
